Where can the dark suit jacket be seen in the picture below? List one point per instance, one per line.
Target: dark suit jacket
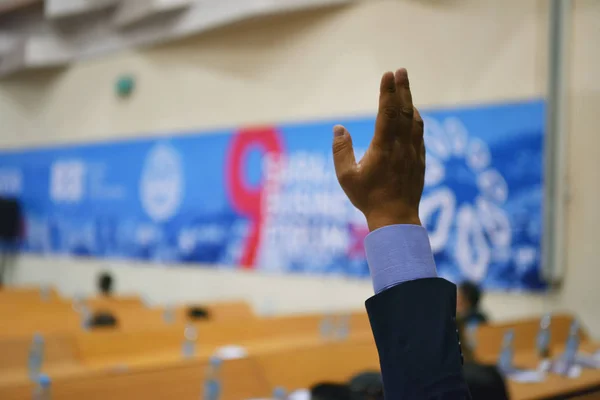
(414, 325)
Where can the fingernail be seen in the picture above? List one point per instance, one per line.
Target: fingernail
(338, 130)
(401, 74)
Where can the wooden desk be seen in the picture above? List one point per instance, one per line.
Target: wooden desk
(27, 295)
(554, 386)
(488, 338)
(557, 387)
(184, 380)
(302, 367)
(14, 352)
(156, 377)
(113, 302)
(46, 323)
(124, 344)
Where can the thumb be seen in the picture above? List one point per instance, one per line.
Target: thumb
(343, 154)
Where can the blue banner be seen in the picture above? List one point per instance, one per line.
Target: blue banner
(266, 198)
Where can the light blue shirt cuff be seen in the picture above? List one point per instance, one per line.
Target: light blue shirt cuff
(399, 253)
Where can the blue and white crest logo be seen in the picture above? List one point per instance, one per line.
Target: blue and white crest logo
(471, 223)
(162, 182)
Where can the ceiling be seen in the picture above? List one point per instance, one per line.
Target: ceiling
(51, 33)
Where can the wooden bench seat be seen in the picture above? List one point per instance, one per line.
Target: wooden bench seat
(488, 338)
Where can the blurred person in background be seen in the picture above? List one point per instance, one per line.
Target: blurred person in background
(467, 304)
(105, 284)
(104, 318)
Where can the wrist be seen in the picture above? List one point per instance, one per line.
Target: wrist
(376, 220)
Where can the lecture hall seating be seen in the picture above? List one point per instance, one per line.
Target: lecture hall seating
(142, 357)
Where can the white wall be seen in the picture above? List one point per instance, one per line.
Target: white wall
(310, 66)
(581, 289)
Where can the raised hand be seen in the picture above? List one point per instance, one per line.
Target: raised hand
(387, 183)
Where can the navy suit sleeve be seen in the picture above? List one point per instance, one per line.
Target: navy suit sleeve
(414, 326)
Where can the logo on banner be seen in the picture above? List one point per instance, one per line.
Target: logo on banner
(482, 230)
(11, 181)
(162, 182)
(67, 181)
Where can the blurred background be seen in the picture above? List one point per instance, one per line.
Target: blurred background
(181, 147)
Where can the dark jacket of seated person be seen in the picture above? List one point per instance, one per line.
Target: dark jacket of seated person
(363, 386)
(332, 391)
(103, 319)
(485, 381)
(413, 318)
(367, 385)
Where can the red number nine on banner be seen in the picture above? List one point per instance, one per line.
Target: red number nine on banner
(245, 198)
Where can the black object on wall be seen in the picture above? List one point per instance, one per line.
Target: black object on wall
(10, 233)
(10, 220)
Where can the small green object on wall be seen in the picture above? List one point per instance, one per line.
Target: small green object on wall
(125, 85)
